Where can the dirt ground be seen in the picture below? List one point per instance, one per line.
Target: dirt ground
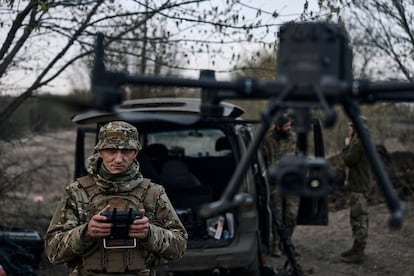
(389, 252)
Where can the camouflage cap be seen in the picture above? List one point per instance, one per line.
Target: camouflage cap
(118, 135)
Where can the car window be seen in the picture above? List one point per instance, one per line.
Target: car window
(191, 142)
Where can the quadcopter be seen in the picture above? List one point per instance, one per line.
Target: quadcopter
(314, 70)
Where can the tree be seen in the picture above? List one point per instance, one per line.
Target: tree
(382, 35)
(45, 38)
(261, 65)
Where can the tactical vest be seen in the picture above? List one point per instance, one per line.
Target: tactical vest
(135, 261)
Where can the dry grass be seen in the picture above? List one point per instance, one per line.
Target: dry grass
(38, 168)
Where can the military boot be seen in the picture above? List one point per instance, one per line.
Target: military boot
(348, 252)
(353, 256)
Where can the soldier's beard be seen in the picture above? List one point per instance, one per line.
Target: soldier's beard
(283, 134)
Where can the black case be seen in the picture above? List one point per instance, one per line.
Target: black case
(30, 240)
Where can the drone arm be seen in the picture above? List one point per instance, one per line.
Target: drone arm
(390, 91)
(229, 198)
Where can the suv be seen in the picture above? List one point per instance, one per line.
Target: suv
(194, 159)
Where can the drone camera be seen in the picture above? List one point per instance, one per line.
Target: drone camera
(299, 176)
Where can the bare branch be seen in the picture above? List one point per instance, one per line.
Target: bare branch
(403, 20)
(28, 93)
(17, 23)
(32, 8)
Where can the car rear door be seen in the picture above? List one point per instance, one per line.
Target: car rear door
(85, 139)
(262, 189)
(314, 210)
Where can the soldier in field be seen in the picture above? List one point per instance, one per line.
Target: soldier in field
(77, 230)
(357, 184)
(278, 142)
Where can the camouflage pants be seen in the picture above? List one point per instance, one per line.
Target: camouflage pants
(286, 212)
(359, 219)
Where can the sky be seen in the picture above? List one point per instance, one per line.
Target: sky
(288, 10)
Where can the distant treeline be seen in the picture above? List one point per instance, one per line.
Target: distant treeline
(36, 115)
(387, 122)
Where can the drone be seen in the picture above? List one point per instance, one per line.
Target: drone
(314, 70)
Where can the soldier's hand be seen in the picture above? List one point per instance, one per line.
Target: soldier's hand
(348, 140)
(97, 227)
(139, 227)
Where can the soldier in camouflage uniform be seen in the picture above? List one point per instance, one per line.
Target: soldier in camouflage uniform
(76, 231)
(280, 141)
(358, 185)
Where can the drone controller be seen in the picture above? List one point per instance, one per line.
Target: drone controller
(121, 220)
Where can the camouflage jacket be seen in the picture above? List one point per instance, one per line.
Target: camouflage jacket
(65, 241)
(275, 147)
(359, 171)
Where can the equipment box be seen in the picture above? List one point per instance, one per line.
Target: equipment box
(29, 240)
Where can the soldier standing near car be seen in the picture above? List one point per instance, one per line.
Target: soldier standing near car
(76, 231)
(278, 142)
(357, 184)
